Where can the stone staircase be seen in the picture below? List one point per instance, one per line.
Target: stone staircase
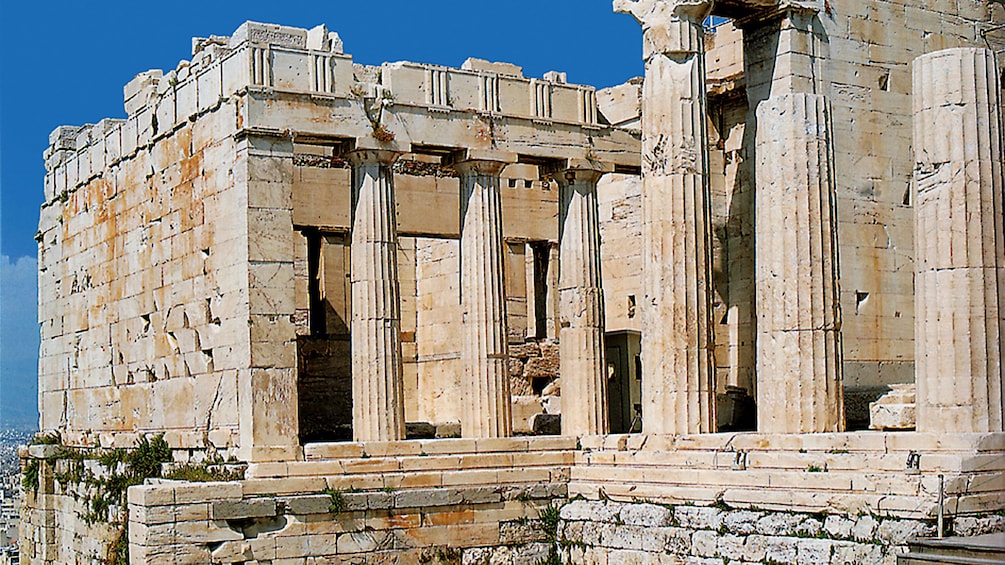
(987, 549)
(883, 473)
(513, 462)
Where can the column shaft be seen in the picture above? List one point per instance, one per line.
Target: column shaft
(378, 406)
(799, 387)
(959, 242)
(486, 402)
(677, 363)
(581, 339)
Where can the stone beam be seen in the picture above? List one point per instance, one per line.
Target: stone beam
(755, 10)
(677, 391)
(418, 129)
(299, 82)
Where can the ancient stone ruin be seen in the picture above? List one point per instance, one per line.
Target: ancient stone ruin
(299, 310)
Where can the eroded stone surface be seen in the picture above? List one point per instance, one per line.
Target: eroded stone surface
(960, 268)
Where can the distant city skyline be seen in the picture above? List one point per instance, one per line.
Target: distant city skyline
(64, 63)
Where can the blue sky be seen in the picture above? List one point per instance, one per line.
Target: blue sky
(64, 63)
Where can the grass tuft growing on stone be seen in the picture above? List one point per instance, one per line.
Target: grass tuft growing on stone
(29, 476)
(51, 438)
(338, 503)
(203, 473)
(550, 516)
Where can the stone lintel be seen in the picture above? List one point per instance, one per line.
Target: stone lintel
(752, 13)
(414, 128)
(564, 167)
(470, 156)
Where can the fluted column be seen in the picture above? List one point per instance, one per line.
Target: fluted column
(486, 402)
(959, 241)
(799, 385)
(677, 364)
(581, 338)
(377, 397)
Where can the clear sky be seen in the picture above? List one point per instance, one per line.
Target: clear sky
(65, 62)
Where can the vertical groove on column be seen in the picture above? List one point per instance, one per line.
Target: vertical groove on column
(581, 340)
(799, 385)
(677, 385)
(959, 242)
(486, 405)
(377, 387)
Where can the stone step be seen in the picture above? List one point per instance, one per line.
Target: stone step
(758, 498)
(925, 559)
(987, 546)
(834, 459)
(864, 441)
(352, 450)
(757, 478)
(412, 464)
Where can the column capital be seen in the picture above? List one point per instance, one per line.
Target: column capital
(668, 26)
(466, 168)
(654, 12)
(363, 156)
(481, 161)
(577, 170)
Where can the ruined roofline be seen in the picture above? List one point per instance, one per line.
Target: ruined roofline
(312, 62)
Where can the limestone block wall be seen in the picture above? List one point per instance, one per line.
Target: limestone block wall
(52, 528)
(619, 200)
(755, 498)
(724, 54)
(143, 284)
(852, 54)
(225, 523)
(613, 532)
(167, 256)
(437, 341)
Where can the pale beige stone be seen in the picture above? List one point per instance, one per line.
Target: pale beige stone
(378, 403)
(799, 385)
(678, 393)
(486, 411)
(895, 410)
(584, 383)
(960, 265)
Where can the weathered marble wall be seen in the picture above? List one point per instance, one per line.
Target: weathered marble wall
(853, 55)
(143, 284)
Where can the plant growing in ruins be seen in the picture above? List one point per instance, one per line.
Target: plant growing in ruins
(338, 503)
(202, 473)
(382, 134)
(374, 109)
(105, 491)
(50, 438)
(550, 516)
(119, 554)
(29, 476)
(448, 555)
